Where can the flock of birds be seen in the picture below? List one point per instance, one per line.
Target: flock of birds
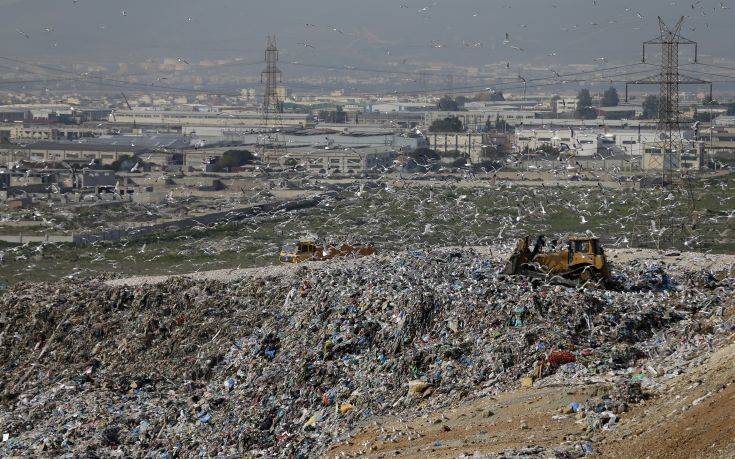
(696, 9)
(699, 8)
(401, 217)
(394, 215)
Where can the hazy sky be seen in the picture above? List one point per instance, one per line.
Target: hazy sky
(460, 31)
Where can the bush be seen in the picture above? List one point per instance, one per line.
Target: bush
(124, 163)
(234, 158)
(449, 124)
(447, 104)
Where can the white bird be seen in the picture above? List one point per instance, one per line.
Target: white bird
(361, 192)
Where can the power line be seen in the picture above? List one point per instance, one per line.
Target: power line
(462, 90)
(350, 68)
(702, 72)
(46, 80)
(115, 82)
(713, 65)
(510, 85)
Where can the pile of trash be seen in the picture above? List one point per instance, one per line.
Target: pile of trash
(288, 365)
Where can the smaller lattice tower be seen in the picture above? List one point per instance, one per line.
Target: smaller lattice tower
(272, 144)
(271, 76)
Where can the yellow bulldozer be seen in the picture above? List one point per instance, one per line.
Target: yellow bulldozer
(580, 260)
(308, 250)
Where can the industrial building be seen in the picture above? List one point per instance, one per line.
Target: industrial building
(337, 160)
(584, 143)
(691, 158)
(161, 150)
(477, 120)
(495, 146)
(620, 112)
(587, 142)
(65, 152)
(198, 118)
(466, 143)
(720, 139)
(24, 132)
(564, 105)
(9, 115)
(478, 147)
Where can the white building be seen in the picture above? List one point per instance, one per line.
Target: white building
(632, 142)
(467, 143)
(197, 118)
(589, 141)
(476, 120)
(565, 105)
(584, 143)
(338, 160)
(689, 158)
(395, 106)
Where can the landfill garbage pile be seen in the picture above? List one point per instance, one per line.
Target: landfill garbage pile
(287, 365)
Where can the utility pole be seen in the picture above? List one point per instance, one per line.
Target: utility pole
(450, 83)
(423, 82)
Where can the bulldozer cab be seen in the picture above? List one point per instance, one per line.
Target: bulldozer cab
(583, 252)
(584, 246)
(587, 245)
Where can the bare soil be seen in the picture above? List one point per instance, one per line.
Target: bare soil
(675, 423)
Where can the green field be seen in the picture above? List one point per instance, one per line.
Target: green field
(697, 218)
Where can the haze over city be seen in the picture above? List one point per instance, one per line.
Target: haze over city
(460, 32)
(347, 229)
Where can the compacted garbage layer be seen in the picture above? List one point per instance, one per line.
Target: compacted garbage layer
(287, 365)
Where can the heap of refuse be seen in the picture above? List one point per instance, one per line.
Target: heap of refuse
(287, 365)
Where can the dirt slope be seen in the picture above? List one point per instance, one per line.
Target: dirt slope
(694, 416)
(676, 422)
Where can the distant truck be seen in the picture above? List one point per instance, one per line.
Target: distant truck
(306, 250)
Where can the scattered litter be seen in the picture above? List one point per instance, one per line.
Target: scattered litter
(204, 368)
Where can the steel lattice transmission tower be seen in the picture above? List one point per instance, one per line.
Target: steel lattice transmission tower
(669, 222)
(669, 79)
(272, 144)
(271, 76)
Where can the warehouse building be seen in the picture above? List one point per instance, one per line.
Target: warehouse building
(336, 160)
(196, 118)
